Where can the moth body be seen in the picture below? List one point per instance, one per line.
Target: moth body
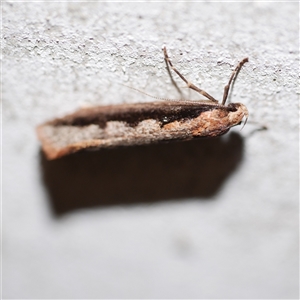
(142, 123)
(134, 124)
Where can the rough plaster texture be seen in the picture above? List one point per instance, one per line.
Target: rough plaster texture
(242, 241)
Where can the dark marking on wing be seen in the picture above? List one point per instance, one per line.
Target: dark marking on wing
(133, 114)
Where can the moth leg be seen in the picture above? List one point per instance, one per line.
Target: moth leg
(172, 79)
(233, 76)
(189, 84)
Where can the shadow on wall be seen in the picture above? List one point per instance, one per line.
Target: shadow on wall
(141, 174)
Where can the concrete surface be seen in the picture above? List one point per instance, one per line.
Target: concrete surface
(207, 219)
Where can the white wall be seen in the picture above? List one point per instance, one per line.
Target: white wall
(238, 240)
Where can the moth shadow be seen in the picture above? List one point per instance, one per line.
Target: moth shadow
(141, 174)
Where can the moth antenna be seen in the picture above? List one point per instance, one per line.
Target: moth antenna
(187, 101)
(154, 97)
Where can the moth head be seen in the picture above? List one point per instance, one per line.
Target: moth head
(240, 112)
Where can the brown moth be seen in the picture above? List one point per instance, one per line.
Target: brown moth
(142, 123)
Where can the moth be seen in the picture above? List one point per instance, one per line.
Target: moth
(142, 123)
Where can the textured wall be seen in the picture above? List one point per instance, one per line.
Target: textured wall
(233, 229)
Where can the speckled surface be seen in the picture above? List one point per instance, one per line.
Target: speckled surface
(238, 240)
